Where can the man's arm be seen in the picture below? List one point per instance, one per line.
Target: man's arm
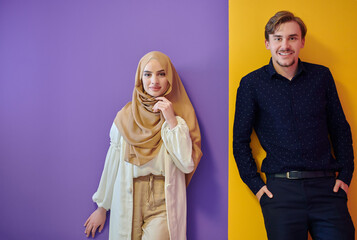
(245, 114)
(340, 132)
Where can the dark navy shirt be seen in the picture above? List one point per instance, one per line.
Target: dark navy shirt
(294, 121)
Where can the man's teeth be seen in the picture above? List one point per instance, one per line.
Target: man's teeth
(284, 54)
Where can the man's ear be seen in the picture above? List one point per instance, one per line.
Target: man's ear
(267, 45)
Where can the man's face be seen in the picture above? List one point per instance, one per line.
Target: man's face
(285, 45)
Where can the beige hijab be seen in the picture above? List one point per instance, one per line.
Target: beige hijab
(141, 127)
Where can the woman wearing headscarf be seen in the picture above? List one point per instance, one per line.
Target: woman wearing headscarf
(155, 147)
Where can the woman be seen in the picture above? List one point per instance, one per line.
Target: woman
(155, 141)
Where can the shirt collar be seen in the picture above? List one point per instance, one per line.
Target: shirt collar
(272, 72)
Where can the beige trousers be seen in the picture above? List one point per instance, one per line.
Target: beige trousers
(149, 213)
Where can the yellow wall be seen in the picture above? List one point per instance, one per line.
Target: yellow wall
(331, 41)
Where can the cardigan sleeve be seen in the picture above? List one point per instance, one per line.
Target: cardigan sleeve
(178, 143)
(103, 195)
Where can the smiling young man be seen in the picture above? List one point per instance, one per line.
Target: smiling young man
(294, 108)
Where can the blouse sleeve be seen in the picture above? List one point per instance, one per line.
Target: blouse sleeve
(178, 143)
(104, 193)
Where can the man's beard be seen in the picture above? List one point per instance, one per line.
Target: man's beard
(286, 65)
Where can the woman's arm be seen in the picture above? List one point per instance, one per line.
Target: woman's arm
(95, 220)
(178, 143)
(175, 135)
(103, 195)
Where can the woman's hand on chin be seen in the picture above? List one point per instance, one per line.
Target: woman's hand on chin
(165, 106)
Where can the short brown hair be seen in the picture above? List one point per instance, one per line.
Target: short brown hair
(280, 18)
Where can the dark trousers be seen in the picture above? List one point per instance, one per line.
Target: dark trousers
(303, 205)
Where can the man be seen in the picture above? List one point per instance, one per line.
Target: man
(294, 108)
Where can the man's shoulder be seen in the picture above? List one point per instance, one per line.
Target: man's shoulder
(314, 67)
(258, 73)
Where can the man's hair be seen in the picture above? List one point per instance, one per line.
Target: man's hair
(280, 18)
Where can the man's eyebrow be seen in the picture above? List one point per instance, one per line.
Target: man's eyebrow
(291, 35)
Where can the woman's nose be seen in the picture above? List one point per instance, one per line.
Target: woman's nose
(154, 79)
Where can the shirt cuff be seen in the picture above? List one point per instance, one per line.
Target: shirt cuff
(255, 184)
(345, 176)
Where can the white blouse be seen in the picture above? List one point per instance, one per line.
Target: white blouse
(155, 166)
(115, 190)
(177, 146)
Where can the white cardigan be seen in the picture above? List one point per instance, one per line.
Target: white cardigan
(115, 190)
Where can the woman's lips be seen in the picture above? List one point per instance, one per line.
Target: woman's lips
(155, 88)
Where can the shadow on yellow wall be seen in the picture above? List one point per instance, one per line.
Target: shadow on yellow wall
(330, 41)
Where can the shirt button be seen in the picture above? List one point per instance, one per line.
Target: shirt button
(130, 190)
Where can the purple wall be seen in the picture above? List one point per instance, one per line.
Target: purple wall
(66, 68)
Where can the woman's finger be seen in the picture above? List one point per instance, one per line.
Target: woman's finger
(94, 229)
(160, 106)
(87, 231)
(156, 107)
(101, 228)
(162, 99)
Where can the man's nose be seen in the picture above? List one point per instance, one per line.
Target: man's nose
(285, 43)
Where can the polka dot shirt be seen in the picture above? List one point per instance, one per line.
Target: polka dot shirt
(296, 122)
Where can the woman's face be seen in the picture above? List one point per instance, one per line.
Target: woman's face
(154, 79)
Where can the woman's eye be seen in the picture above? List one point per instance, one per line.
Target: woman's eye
(162, 74)
(146, 75)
